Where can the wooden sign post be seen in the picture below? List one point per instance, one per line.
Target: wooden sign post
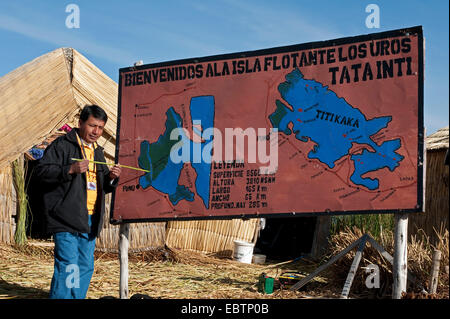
(124, 231)
(124, 244)
(400, 267)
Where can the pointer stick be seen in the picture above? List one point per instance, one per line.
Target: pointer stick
(96, 162)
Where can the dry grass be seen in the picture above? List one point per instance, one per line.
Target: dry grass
(165, 273)
(25, 272)
(170, 273)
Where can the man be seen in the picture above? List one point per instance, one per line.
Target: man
(74, 201)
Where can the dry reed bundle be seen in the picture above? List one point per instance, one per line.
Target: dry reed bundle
(370, 255)
(422, 249)
(419, 262)
(8, 201)
(20, 237)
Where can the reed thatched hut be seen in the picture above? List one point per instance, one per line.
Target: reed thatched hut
(41, 99)
(435, 218)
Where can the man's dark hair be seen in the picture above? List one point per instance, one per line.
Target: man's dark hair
(94, 110)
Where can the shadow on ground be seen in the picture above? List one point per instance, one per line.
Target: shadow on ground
(13, 291)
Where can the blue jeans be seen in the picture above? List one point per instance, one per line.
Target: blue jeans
(74, 265)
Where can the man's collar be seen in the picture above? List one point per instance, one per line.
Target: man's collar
(86, 143)
(82, 142)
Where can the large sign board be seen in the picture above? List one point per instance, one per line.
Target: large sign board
(331, 127)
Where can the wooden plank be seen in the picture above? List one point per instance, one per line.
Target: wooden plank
(308, 278)
(353, 268)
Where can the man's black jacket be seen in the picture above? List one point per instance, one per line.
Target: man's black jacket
(64, 194)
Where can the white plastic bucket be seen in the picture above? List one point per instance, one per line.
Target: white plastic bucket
(243, 251)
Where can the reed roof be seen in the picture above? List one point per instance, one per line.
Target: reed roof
(438, 140)
(42, 95)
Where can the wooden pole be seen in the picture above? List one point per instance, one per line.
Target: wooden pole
(400, 267)
(435, 271)
(123, 259)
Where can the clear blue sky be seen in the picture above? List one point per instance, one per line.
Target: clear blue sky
(115, 34)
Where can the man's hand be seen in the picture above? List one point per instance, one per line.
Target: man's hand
(115, 171)
(79, 167)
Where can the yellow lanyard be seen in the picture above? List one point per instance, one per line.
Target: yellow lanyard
(81, 143)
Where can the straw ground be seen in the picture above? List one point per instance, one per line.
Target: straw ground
(178, 274)
(165, 273)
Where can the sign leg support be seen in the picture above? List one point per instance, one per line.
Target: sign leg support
(123, 259)
(308, 278)
(400, 266)
(353, 268)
